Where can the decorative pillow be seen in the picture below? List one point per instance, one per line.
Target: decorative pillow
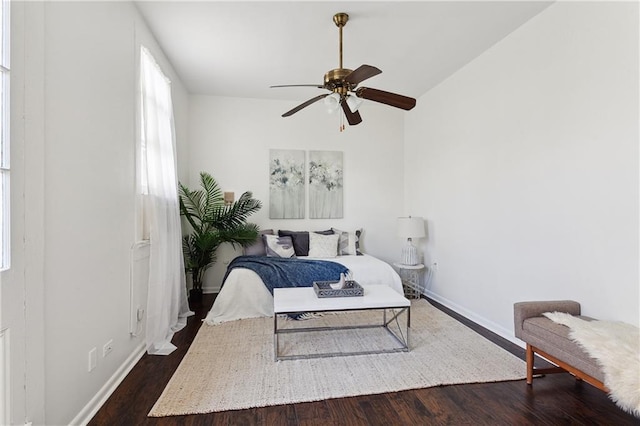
(278, 246)
(257, 248)
(323, 245)
(349, 242)
(300, 241)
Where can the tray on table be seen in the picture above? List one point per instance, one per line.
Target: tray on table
(330, 289)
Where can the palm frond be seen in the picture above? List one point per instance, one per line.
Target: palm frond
(233, 216)
(213, 197)
(242, 235)
(190, 205)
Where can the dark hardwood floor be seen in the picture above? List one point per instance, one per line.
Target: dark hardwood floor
(552, 400)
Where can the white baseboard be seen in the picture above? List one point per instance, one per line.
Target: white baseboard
(209, 290)
(92, 407)
(489, 325)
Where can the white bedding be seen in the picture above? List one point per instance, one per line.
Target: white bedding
(244, 295)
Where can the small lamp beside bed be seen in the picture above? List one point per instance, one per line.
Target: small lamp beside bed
(410, 227)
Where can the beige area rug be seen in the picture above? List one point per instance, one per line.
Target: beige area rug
(231, 366)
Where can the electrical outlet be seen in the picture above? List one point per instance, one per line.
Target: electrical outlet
(93, 359)
(107, 348)
(139, 314)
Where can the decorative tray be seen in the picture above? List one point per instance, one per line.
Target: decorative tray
(335, 289)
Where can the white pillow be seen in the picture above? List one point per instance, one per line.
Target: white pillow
(323, 245)
(277, 246)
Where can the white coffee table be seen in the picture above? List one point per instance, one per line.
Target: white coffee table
(304, 299)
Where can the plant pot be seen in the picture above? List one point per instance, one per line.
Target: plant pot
(195, 295)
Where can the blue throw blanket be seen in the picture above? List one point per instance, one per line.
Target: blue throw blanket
(277, 272)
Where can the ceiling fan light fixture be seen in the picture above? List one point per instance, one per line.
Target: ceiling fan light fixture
(332, 102)
(353, 103)
(345, 90)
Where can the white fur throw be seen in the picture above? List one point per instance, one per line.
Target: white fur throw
(616, 347)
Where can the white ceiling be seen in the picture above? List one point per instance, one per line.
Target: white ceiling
(241, 48)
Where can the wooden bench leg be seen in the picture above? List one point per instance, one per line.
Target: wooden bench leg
(529, 364)
(561, 367)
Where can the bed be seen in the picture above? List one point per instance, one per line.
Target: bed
(244, 295)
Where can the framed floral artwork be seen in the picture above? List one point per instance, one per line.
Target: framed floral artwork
(325, 185)
(286, 184)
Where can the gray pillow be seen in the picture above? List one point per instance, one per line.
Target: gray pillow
(300, 241)
(257, 248)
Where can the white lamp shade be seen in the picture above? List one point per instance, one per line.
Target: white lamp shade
(411, 227)
(332, 102)
(354, 103)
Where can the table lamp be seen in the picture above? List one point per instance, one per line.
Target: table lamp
(410, 227)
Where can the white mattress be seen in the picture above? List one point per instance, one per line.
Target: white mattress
(244, 295)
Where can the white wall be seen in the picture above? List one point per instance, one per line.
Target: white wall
(231, 137)
(85, 179)
(527, 164)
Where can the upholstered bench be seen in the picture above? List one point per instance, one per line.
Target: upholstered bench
(551, 341)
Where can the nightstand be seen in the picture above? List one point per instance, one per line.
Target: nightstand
(410, 275)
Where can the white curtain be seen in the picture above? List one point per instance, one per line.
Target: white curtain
(167, 305)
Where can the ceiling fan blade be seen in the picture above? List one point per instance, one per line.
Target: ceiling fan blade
(388, 98)
(298, 85)
(361, 73)
(353, 118)
(305, 104)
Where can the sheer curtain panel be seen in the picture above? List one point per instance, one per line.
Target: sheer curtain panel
(167, 305)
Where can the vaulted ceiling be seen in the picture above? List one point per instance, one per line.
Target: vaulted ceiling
(241, 48)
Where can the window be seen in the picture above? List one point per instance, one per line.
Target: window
(156, 154)
(147, 100)
(4, 137)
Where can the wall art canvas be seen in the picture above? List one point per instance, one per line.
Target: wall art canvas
(286, 184)
(325, 184)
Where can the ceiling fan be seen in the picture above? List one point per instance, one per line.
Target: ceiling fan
(343, 86)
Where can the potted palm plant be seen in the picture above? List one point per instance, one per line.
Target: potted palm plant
(213, 223)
